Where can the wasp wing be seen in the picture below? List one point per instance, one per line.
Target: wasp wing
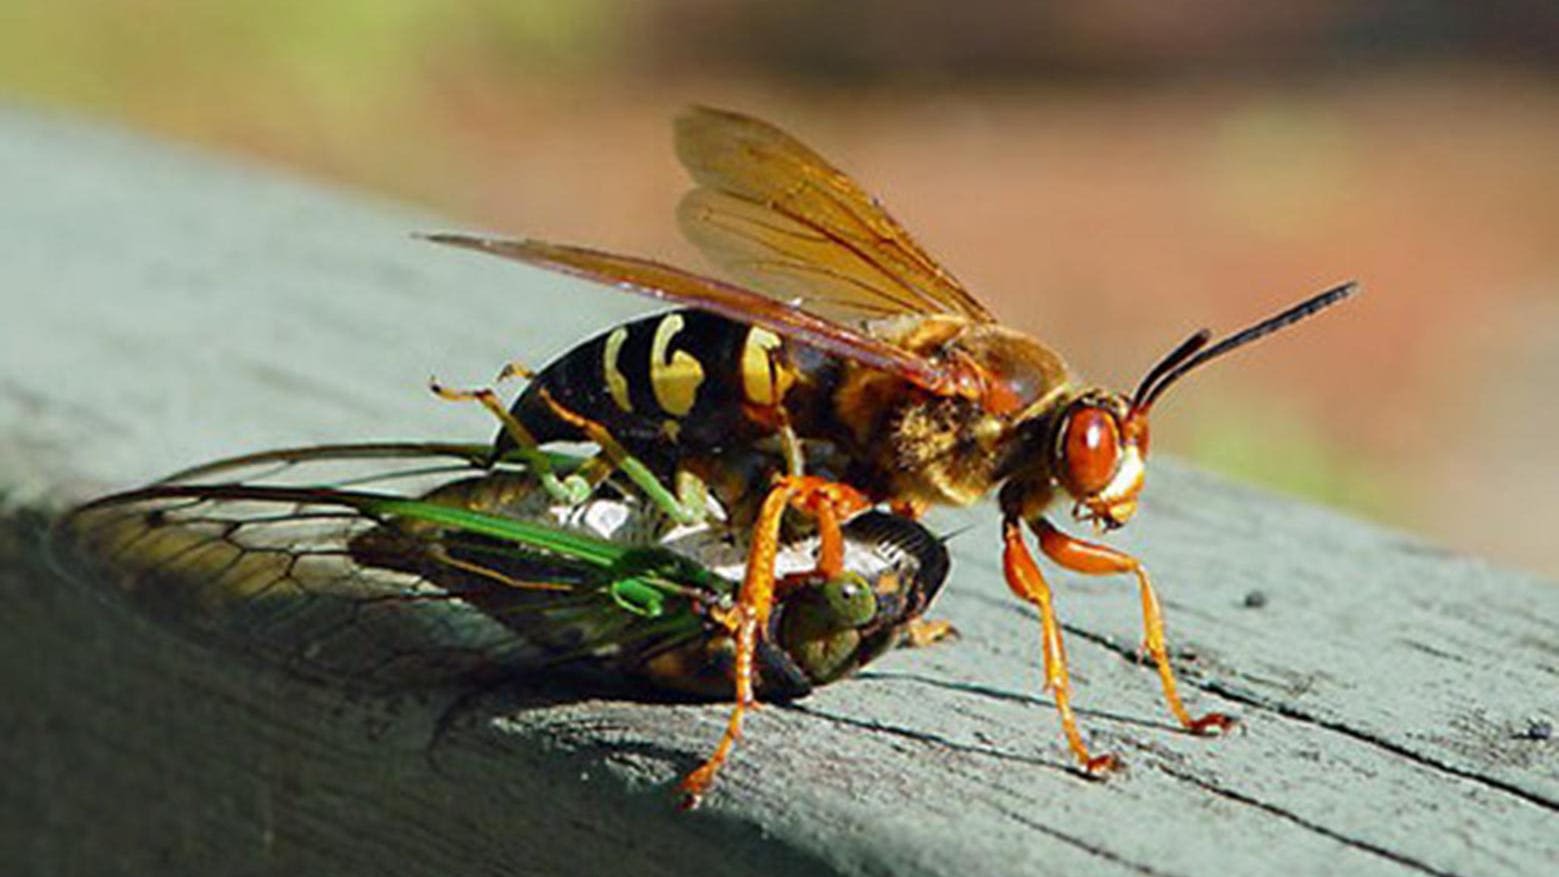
(780, 218)
(669, 284)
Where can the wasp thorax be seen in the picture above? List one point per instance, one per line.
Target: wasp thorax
(1018, 373)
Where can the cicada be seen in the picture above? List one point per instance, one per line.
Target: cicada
(403, 565)
(840, 366)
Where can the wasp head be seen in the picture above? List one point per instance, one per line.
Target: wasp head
(1100, 443)
(1099, 457)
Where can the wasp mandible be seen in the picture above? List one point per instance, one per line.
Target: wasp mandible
(843, 364)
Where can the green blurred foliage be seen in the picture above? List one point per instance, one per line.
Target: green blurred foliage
(1164, 161)
(107, 54)
(1261, 440)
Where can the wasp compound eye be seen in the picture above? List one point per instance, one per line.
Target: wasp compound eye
(1090, 451)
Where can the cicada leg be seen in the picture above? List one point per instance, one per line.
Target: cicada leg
(1024, 579)
(924, 632)
(688, 505)
(828, 502)
(1091, 558)
(572, 489)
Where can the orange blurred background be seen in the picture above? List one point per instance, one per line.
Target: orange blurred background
(1109, 175)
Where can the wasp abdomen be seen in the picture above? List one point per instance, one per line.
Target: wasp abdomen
(683, 378)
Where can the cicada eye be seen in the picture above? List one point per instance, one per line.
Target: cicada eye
(1090, 451)
(850, 599)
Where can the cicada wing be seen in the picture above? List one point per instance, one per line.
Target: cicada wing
(342, 465)
(782, 219)
(283, 581)
(293, 567)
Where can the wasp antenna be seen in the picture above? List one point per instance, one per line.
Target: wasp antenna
(1170, 360)
(1166, 376)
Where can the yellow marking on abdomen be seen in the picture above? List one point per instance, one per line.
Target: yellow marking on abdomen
(675, 380)
(616, 381)
(764, 382)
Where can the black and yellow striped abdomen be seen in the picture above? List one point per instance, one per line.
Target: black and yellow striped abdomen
(663, 384)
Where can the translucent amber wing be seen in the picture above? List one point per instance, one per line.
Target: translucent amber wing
(782, 219)
(666, 283)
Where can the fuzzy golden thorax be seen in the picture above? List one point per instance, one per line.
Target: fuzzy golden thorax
(953, 450)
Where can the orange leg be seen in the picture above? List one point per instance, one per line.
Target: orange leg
(572, 489)
(750, 617)
(828, 502)
(923, 632)
(1092, 558)
(488, 400)
(1024, 579)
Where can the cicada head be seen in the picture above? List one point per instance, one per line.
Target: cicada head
(894, 568)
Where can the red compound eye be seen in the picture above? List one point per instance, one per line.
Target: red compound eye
(1090, 451)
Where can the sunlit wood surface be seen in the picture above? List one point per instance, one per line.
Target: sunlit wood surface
(158, 308)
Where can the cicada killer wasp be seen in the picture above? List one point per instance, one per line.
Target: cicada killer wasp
(397, 566)
(846, 362)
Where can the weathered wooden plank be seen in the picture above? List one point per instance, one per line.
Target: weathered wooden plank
(158, 308)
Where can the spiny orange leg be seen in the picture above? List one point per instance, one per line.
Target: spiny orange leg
(754, 602)
(1091, 558)
(1024, 579)
(828, 501)
(572, 489)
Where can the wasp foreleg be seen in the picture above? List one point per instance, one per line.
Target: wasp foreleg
(1091, 558)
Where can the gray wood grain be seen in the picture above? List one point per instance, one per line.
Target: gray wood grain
(158, 308)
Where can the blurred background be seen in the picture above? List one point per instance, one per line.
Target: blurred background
(1109, 175)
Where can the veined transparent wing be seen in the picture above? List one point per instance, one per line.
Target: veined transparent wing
(783, 220)
(343, 561)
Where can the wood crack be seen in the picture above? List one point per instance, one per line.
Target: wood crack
(1290, 816)
(1253, 700)
(937, 740)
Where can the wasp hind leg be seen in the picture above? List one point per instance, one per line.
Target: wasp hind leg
(1091, 558)
(828, 502)
(687, 505)
(573, 489)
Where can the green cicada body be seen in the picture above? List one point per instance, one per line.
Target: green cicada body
(415, 565)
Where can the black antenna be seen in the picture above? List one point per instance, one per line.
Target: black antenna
(1174, 366)
(1173, 358)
